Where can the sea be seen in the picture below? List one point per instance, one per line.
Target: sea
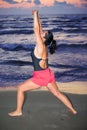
(17, 40)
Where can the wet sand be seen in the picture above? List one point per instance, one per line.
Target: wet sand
(42, 111)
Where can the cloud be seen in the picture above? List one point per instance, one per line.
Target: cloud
(47, 2)
(33, 3)
(18, 3)
(74, 2)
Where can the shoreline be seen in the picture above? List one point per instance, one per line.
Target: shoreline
(75, 87)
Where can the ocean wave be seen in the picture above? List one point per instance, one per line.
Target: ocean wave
(13, 78)
(24, 24)
(17, 47)
(76, 30)
(20, 31)
(72, 72)
(16, 63)
(30, 47)
(78, 74)
(72, 46)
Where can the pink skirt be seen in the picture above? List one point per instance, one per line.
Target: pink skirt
(43, 77)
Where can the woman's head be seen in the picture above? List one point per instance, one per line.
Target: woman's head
(49, 41)
(48, 38)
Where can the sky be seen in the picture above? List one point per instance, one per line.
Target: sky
(44, 6)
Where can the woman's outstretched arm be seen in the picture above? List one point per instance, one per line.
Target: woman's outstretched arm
(40, 24)
(37, 22)
(37, 29)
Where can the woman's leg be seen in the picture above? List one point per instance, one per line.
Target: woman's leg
(54, 89)
(26, 86)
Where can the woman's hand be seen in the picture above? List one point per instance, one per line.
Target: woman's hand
(34, 11)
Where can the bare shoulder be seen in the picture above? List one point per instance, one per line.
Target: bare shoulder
(41, 51)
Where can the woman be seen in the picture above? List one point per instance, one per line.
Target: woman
(42, 76)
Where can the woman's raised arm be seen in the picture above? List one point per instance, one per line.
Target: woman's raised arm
(37, 28)
(37, 22)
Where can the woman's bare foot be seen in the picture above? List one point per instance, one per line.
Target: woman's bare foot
(73, 111)
(15, 113)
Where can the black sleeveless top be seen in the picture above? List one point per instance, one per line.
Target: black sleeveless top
(36, 61)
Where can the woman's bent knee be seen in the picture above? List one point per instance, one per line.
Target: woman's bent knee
(20, 88)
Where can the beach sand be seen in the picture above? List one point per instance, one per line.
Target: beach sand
(68, 87)
(42, 111)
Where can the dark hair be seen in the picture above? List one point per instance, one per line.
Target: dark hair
(50, 41)
(52, 47)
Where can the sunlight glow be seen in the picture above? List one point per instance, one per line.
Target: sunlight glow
(32, 3)
(47, 2)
